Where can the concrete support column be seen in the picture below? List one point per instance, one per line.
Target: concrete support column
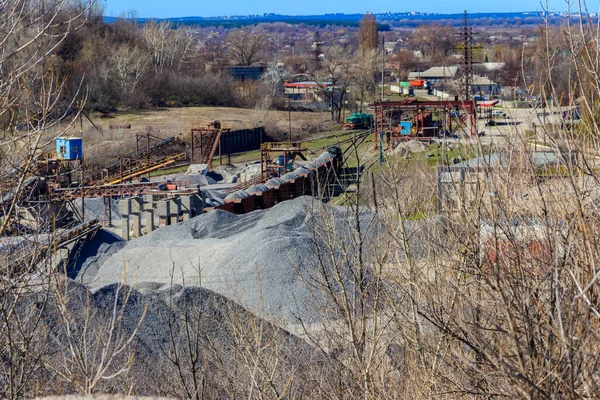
(148, 201)
(149, 220)
(197, 205)
(125, 212)
(149, 210)
(175, 209)
(186, 207)
(137, 207)
(136, 219)
(163, 210)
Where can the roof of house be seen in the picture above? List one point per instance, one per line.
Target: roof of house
(390, 45)
(435, 72)
(491, 66)
(251, 72)
(494, 160)
(306, 84)
(482, 81)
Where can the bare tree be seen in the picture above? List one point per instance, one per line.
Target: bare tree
(367, 34)
(170, 48)
(434, 41)
(245, 47)
(34, 106)
(367, 64)
(129, 66)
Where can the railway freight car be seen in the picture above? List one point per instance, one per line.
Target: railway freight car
(306, 180)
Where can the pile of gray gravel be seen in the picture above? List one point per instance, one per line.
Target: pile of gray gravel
(258, 259)
(167, 316)
(94, 208)
(410, 146)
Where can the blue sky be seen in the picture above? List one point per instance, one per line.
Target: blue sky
(203, 8)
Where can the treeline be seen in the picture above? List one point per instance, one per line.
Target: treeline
(125, 64)
(240, 23)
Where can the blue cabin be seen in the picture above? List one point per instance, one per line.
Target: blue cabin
(69, 148)
(405, 128)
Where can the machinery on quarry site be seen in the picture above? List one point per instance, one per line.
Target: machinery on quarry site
(412, 119)
(50, 199)
(282, 182)
(45, 201)
(150, 152)
(358, 121)
(205, 141)
(61, 177)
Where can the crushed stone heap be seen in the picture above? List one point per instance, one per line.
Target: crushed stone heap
(255, 259)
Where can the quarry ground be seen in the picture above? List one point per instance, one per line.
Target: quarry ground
(315, 128)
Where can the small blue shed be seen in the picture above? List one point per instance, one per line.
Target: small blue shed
(69, 148)
(405, 128)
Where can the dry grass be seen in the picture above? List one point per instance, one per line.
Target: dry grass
(105, 144)
(179, 120)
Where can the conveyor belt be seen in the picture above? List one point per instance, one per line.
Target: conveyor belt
(31, 253)
(115, 166)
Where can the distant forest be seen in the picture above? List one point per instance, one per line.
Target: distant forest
(386, 21)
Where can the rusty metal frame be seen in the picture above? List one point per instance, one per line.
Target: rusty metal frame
(441, 106)
(289, 150)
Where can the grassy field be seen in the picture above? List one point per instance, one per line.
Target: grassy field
(173, 121)
(103, 143)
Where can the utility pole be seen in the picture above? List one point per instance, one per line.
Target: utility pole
(382, 65)
(289, 121)
(381, 158)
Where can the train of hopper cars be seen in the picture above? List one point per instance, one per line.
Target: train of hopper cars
(313, 178)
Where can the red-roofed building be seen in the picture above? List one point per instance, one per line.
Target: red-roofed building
(306, 91)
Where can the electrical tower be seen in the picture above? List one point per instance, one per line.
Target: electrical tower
(317, 48)
(466, 34)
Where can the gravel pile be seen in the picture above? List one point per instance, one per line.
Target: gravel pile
(240, 194)
(233, 174)
(258, 188)
(223, 173)
(213, 198)
(88, 256)
(410, 146)
(168, 312)
(303, 171)
(255, 259)
(274, 182)
(244, 174)
(290, 176)
(197, 169)
(94, 208)
(194, 180)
